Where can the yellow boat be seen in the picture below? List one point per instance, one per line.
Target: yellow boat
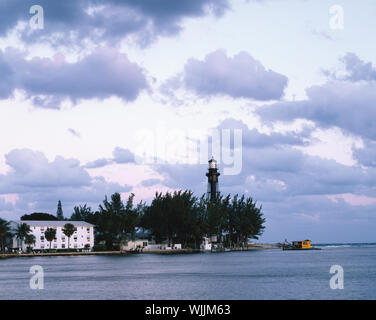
(299, 245)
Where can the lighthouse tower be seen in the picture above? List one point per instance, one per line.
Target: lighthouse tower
(213, 179)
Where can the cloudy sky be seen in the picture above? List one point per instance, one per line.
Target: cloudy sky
(129, 96)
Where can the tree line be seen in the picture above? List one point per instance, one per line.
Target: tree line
(180, 217)
(175, 217)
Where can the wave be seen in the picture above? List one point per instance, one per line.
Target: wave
(344, 245)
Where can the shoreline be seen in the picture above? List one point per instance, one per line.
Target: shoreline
(168, 252)
(56, 254)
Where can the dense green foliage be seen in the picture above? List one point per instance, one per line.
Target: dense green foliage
(182, 218)
(115, 221)
(29, 241)
(59, 212)
(50, 235)
(81, 213)
(4, 233)
(178, 217)
(22, 231)
(68, 230)
(38, 216)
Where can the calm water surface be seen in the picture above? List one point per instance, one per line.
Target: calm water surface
(264, 274)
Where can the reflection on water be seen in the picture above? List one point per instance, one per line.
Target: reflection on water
(264, 274)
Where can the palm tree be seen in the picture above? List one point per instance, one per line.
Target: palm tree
(50, 235)
(81, 213)
(29, 240)
(4, 232)
(22, 231)
(68, 230)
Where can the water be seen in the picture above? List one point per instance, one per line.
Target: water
(262, 274)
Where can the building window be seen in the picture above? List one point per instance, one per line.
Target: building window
(55, 246)
(88, 238)
(75, 238)
(63, 239)
(75, 246)
(41, 238)
(88, 229)
(63, 245)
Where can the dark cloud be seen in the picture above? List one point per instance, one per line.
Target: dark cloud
(320, 219)
(347, 102)
(239, 77)
(120, 156)
(109, 20)
(347, 105)
(275, 174)
(253, 138)
(151, 182)
(102, 74)
(6, 77)
(40, 183)
(356, 69)
(123, 156)
(70, 195)
(366, 156)
(99, 163)
(183, 176)
(275, 171)
(293, 190)
(31, 168)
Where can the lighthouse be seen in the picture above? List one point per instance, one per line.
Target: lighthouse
(212, 175)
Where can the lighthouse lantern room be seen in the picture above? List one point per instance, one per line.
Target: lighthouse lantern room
(212, 175)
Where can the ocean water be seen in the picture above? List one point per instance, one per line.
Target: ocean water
(261, 274)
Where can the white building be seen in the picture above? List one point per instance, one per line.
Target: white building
(82, 238)
(133, 245)
(206, 244)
